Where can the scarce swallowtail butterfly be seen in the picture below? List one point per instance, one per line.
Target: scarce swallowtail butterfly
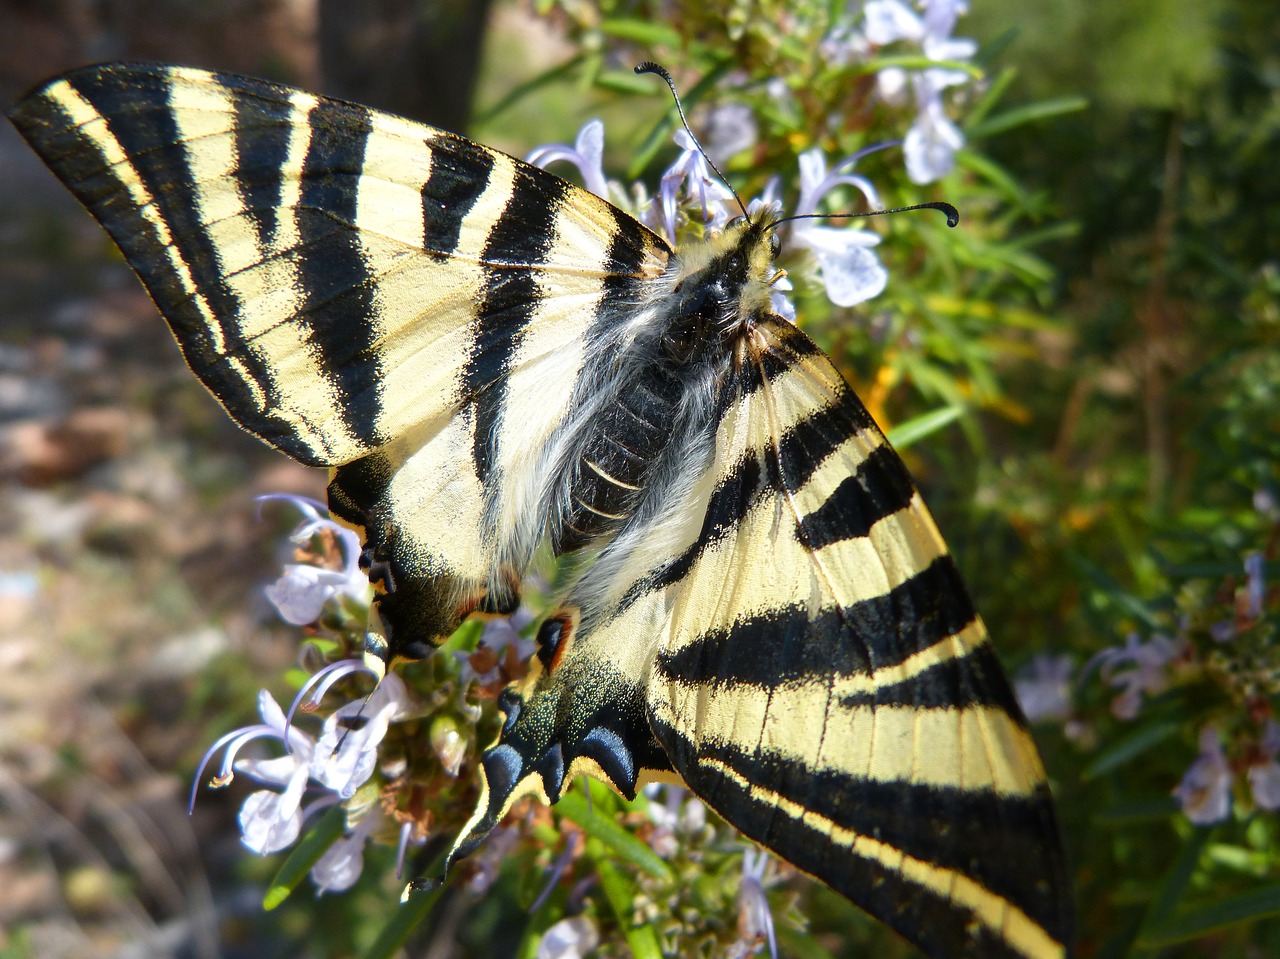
(491, 362)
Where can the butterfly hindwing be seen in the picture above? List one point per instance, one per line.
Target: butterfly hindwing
(362, 292)
(811, 666)
(828, 688)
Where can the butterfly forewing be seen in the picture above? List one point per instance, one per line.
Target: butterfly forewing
(360, 291)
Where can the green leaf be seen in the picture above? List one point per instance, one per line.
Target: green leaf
(1175, 884)
(642, 939)
(918, 427)
(1193, 922)
(306, 854)
(1018, 116)
(626, 846)
(1115, 593)
(623, 81)
(906, 61)
(1060, 230)
(465, 638)
(996, 175)
(1239, 859)
(518, 93)
(1136, 743)
(996, 89)
(408, 917)
(644, 32)
(1130, 811)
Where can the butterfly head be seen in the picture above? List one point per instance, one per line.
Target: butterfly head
(726, 280)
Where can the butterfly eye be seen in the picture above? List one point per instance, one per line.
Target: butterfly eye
(775, 245)
(736, 222)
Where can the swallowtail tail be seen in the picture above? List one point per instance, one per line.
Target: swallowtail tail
(492, 361)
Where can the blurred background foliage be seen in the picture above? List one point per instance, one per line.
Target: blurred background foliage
(1086, 375)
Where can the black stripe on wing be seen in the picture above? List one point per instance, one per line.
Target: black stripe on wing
(263, 129)
(135, 108)
(879, 487)
(338, 289)
(977, 834)
(460, 173)
(794, 644)
(518, 246)
(791, 344)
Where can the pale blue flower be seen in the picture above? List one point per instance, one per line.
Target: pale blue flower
(587, 154)
(302, 590)
(499, 633)
(346, 757)
(270, 819)
(1255, 586)
(932, 141)
(1249, 603)
(769, 203)
(1264, 776)
(1266, 503)
(1205, 790)
(889, 21)
(850, 272)
(1043, 688)
(755, 919)
(314, 689)
(780, 302)
(409, 836)
(730, 129)
(341, 761)
(842, 46)
(571, 938)
(1147, 673)
(341, 864)
(691, 180)
(676, 814)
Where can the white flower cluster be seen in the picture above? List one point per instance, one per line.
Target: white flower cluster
(1139, 669)
(324, 770)
(303, 588)
(1205, 790)
(315, 772)
(1144, 669)
(932, 141)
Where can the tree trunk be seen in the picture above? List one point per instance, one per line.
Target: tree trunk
(417, 58)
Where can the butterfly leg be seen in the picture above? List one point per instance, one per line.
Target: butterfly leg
(573, 714)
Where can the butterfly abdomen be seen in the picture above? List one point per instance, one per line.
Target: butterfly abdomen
(624, 451)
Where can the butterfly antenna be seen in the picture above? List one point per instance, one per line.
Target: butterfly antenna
(648, 66)
(942, 206)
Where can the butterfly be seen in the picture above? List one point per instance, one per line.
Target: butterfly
(495, 364)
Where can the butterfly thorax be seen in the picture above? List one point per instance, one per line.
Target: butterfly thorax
(673, 367)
